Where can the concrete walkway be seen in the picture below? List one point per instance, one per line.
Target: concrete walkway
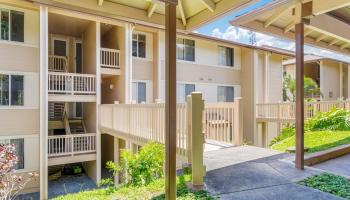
(339, 166)
(253, 173)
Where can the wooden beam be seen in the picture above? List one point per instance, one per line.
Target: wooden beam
(289, 27)
(182, 12)
(209, 4)
(100, 2)
(321, 37)
(308, 32)
(151, 8)
(321, 6)
(333, 42)
(344, 46)
(299, 112)
(170, 101)
(277, 15)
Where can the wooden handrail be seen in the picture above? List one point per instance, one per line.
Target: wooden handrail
(110, 58)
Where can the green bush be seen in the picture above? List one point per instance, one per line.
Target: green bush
(286, 132)
(335, 120)
(138, 169)
(336, 185)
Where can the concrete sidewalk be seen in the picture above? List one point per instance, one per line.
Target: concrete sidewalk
(249, 173)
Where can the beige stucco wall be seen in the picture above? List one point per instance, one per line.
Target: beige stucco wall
(329, 76)
(17, 57)
(142, 69)
(275, 82)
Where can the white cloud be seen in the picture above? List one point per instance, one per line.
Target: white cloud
(242, 35)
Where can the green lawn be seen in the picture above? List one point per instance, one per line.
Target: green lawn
(316, 140)
(153, 191)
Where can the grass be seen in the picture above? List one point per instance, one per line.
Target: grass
(154, 190)
(316, 140)
(336, 185)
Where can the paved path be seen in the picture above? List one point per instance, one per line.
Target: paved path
(338, 166)
(252, 173)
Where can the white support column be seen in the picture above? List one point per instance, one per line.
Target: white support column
(254, 92)
(128, 28)
(348, 97)
(341, 79)
(156, 65)
(322, 82)
(267, 78)
(43, 101)
(98, 102)
(116, 157)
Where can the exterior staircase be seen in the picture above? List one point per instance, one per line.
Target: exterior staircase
(77, 126)
(56, 110)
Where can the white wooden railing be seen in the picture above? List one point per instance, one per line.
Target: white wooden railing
(144, 122)
(71, 83)
(223, 122)
(70, 145)
(110, 58)
(286, 111)
(58, 63)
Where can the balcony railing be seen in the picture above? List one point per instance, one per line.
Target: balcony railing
(72, 84)
(70, 145)
(286, 111)
(58, 63)
(110, 58)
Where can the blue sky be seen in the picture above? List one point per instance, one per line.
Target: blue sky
(222, 29)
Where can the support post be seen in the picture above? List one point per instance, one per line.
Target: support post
(189, 128)
(299, 113)
(43, 102)
(237, 123)
(170, 99)
(197, 140)
(341, 78)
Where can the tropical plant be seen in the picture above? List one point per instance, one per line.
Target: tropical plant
(335, 119)
(311, 88)
(10, 183)
(140, 168)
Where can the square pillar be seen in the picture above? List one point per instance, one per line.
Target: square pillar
(43, 101)
(299, 112)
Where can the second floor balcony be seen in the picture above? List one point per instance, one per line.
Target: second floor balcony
(110, 61)
(71, 87)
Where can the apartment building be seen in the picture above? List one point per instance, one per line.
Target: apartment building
(93, 60)
(330, 74)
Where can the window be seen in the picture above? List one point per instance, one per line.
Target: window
(11, 90)
(139, 92)
(226, 56)
(19, 150)
(185, 49)
(12, 25)
(139, 45)
(225, 94)
(183, 90)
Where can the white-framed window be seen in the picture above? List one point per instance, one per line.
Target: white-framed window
(19, 150)
(185, 49)
(11, 90)
(183, 90)
(226, 56)
(139, 92)
(226, 93)
(12, 25)
(139, 45)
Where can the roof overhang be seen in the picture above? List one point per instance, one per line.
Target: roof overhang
(190, 14)
(327, 22)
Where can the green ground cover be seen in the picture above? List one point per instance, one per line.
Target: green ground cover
(154, 190)
(316, 140)
(336, 185)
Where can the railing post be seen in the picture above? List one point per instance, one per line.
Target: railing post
(189, 128)
(197, 140)
(237, 123)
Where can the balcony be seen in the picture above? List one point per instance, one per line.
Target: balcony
(110, 61)
(71, 87)
(63, 149)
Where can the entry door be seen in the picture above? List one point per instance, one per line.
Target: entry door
(59, 47)
(78, 110)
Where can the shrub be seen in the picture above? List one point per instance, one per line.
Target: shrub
(335, 120)
(140, 168)
(330, 183)
(286, 132)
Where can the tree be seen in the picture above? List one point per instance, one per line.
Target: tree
(10, 183)
(252, 37)
(311, 88)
